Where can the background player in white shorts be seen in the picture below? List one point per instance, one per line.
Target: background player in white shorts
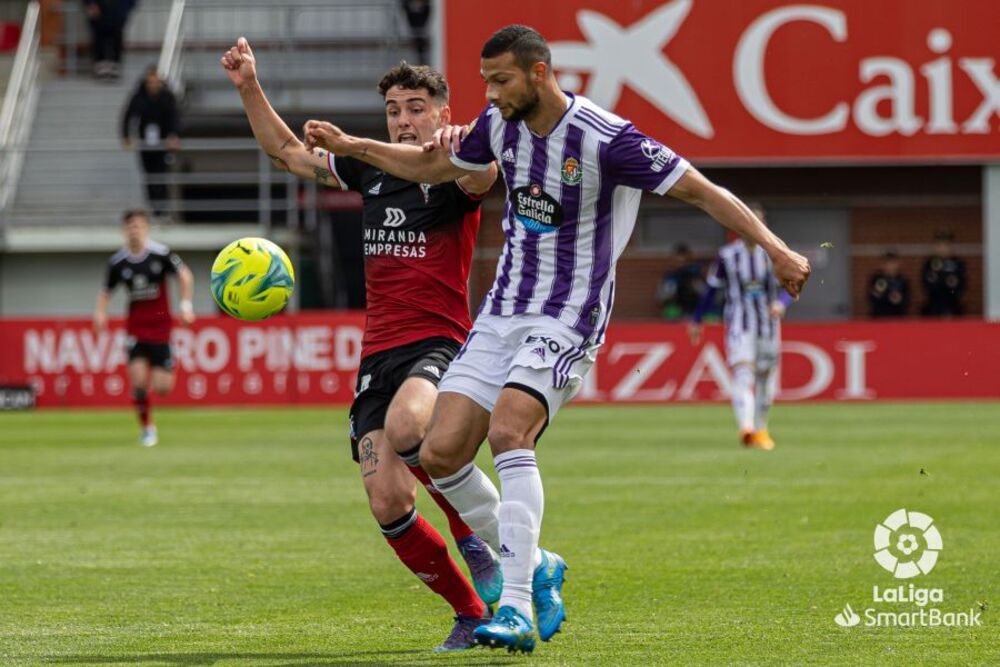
(574, 174)
(752, 315)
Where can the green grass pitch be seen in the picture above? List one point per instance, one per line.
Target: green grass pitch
(244, 539)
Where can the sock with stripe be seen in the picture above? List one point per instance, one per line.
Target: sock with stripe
(140, 400)
(521, 506)
(459, 529)
(743, 396)
(476, 500)
(767, 385)
(422, 549)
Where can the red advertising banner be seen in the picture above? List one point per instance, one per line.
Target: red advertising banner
(729, 81)
(313, 359)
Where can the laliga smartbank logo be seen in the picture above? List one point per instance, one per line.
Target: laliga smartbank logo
(907, 544)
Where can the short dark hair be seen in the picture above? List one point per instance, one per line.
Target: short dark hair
(414, 77)
(135, 213)
(525, 43)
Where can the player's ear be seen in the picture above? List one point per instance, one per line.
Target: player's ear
(539, 72)
(444, 115)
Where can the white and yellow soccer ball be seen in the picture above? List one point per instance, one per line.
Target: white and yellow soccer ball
(252, 279)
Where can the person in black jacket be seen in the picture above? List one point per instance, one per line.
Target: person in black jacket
(107, 20)
(888, 289)
(943, 278)
(152, 115)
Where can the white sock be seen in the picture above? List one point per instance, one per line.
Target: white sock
(767, 383)
(476, 500)
(521, 508)
(743, 396)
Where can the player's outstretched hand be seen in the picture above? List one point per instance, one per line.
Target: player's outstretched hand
(321, 134)
(792, 271)
(694, 333)
(239, 63)
(447, 138)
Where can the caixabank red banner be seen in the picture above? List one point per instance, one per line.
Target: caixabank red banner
(730, 81)
(313, 359)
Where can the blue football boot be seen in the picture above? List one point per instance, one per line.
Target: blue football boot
(510, 629)
(546, 593)
(484, 567)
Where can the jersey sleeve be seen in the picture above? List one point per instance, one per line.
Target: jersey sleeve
(113, 277)
(475, 152)
(637, 161)
(347, 170)
(465, 201)
(716, 273)
(174, 262)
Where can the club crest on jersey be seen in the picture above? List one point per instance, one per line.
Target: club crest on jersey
(572, 173)
(534, 209)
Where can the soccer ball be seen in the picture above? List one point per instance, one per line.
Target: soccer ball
(252, 279)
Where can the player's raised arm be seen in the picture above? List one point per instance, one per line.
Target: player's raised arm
(790, 268)
(273, 135)
(406, 161)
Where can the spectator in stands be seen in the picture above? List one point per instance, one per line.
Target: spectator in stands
(417, 14)
(152, 115)
(107, 20)
(682, 286)
(888, 289)
(943, 278)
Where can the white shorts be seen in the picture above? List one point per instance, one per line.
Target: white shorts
(536, 353)
(746, 347)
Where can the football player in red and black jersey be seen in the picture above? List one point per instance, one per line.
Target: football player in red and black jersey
(143, 266)
(418, 253)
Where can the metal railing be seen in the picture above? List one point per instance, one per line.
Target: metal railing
(18, 109)
(195, 193)
(289, 27)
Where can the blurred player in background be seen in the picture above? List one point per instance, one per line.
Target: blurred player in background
(755, 304)
(574, 174)
(418, 252)
(143, 266)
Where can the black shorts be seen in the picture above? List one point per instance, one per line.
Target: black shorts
(383, 373)
(157, 354)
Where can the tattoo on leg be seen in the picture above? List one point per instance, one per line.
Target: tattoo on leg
(367, 457)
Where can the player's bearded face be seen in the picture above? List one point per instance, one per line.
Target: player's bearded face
(511, 89)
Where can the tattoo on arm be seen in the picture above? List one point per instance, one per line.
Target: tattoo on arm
(284, 145)
(322, 175)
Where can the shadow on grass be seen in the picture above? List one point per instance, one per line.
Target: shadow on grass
(414, 657)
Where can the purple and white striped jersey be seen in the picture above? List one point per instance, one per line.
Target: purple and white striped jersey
(572, 201)
(751, 288)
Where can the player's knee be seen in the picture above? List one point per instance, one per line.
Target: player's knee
(435, 463)
(387, 506)
(403, 430)
(504, 438)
